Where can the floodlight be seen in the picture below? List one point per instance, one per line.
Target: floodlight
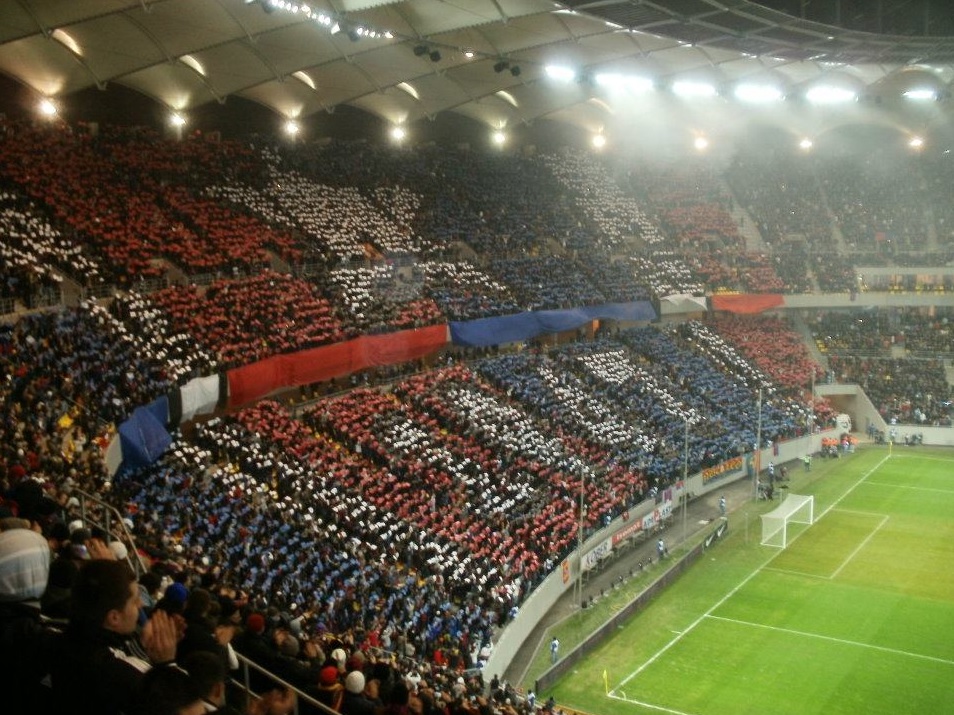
(398, 133)
(469, 54)
(757, 93)
(630, 83)
(700, 143)
(922, 95)
(692, 90)
(560, 73)
(805, 144)
(916, 143)
(47, 107)
(599, 141)
(825, 94)
(177, 120)
(499, 138)
(291, 127)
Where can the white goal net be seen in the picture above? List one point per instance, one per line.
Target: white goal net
(796, 509)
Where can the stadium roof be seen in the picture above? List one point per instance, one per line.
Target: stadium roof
(405, 60)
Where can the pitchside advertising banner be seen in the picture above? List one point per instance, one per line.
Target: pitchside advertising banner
(720, 470)
(592, 558)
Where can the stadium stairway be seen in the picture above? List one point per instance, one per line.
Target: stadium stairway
(803, 329)
(747, 225)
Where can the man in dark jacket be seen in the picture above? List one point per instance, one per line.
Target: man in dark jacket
(101, 660)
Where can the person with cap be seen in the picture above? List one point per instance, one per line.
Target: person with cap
(328, 690)
(254, 645)
(26, 645)
(356, 701)
(101, 659)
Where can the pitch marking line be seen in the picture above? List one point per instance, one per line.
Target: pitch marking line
(803, 574)
(860, 513)
(916, 489)
(860, 546)
(922, 456)
(651, 706)
(843, 641)
(806, 574)
(653, 658)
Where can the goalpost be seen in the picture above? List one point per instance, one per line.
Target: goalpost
(796, 509)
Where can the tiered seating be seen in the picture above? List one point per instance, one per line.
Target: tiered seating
(377, 299)
(667, 273)
(545, 283)
(782, 195)
(34, 254)
(246, 320)
(771, 345)
(615, 215)
(463, 291)
(878, 201)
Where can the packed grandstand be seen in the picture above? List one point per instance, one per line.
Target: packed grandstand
(408, 494)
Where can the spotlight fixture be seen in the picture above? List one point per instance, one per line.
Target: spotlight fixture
(501, 66)
(515, 70)
(47, 107)
(354, 35)
(422, 50)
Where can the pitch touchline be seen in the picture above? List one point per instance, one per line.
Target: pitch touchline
(742, 583)
(843, 641)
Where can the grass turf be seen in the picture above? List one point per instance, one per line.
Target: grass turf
(856, 615)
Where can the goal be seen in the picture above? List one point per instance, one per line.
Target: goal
(796, 509)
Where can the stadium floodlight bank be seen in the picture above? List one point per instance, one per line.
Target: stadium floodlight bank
(796, 509)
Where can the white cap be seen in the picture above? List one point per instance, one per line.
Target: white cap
(354, 682)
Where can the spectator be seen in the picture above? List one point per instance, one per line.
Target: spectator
(101, 660)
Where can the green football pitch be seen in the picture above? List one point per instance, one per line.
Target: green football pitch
(856, 615)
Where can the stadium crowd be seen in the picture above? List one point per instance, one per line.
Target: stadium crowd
(369, 547)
